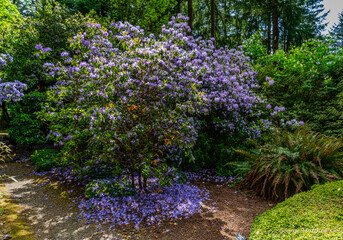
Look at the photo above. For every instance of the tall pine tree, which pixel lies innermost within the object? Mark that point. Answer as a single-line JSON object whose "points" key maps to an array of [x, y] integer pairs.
{"points": [[337, 30]]}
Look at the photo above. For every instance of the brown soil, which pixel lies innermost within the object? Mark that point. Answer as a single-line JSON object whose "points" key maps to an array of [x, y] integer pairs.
{"points": [[45, 210]]}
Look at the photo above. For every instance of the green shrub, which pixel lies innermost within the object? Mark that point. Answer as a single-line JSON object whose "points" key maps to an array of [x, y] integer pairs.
{"points": [[308, 81], [45, 159], [316, 214], [50, 26], [113, 188], [24, 126], [213, 150], [293, 162]]}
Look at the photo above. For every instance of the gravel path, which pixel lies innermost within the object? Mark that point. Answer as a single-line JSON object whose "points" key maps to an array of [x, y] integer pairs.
{"points": [[47, 209]]}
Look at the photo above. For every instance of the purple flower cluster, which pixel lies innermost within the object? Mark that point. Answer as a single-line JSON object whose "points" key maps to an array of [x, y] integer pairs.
{"points": [[292, 123], [10, 91], [44, 50], [3, 58]]}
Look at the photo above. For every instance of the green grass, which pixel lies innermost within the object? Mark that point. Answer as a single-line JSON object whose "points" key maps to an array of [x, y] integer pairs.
{"points": [[316, 214]]}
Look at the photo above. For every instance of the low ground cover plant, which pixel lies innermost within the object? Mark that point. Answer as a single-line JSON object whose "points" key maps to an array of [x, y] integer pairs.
{"points": [[292, 162], [45, 159], [316, 214]]}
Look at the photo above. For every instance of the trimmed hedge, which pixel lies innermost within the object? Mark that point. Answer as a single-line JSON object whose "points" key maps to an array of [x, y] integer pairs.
{"points": [[316, 214]]}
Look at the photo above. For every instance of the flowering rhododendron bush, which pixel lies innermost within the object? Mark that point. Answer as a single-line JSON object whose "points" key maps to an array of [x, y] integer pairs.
{"points": [[136, 103], [124, 98]]}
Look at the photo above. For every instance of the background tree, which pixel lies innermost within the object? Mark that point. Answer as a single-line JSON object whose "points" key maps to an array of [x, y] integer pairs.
{"points": [[149, 15], [9, 18], [190, 15], [337, 29], [47, 30], [213, 20]]}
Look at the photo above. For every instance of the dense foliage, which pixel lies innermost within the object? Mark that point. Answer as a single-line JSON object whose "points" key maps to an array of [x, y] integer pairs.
{"points": [[293, 162], [308, 81], [9, 18], [24, 127], [316, 214], [150, 15], [45, 159], [50, 25]]}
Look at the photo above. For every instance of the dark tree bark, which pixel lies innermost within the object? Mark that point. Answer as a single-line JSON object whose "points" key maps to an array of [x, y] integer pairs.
{"points": [[178, 6], [275, 20], [213, 21], [5, 112], [190, 14], [269, 34]]}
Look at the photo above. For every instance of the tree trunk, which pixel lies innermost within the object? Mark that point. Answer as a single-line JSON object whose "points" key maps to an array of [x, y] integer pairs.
{"points": [[127, 10], [269, 34], [5, 112], [213, 22], [178, 6], [275, 20], [190, 15]]}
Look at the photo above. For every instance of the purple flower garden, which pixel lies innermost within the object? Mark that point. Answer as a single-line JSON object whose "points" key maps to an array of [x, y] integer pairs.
{"points": [[136, 120]]}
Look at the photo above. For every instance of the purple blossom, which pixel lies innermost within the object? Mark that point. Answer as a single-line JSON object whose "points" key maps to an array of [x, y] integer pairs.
{"points": [[38, 47], [64, 54], [45, 50]]}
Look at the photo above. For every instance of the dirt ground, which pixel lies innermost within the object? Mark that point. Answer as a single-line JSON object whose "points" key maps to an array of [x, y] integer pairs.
{"points": [[37, 207]]}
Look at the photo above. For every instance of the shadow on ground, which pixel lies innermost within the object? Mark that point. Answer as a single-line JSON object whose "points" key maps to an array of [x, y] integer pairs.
{"points": [[48, 210]]}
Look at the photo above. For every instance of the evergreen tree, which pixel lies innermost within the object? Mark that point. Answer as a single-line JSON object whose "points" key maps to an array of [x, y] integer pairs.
{"points": [[337, 30]]}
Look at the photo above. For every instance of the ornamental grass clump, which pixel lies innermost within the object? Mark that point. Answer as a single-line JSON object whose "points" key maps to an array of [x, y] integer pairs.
{"points": [[292, 162], [135, 101]]}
